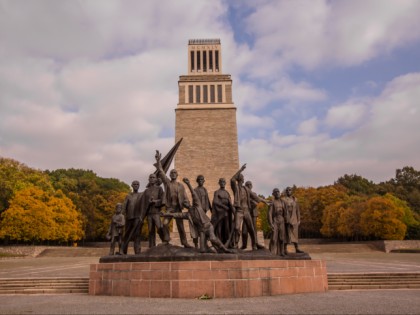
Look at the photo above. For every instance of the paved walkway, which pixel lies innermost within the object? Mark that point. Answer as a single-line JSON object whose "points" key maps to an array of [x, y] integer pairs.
{"points": [[370, 262], [332, 302], [336, 263]]}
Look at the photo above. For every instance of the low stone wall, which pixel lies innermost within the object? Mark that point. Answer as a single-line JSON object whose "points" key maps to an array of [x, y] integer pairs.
{"points": [[388, 246], [216, 279], [27, 251]]}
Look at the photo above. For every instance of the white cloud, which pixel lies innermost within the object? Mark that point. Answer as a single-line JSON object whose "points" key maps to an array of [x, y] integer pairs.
{"points": [[254, 97], [384, 141], [346, 116], [93, 85], [325, 33], [309, 126]]}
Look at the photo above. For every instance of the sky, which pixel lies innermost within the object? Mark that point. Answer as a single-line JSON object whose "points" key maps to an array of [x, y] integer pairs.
{"points": [[322, 88]]}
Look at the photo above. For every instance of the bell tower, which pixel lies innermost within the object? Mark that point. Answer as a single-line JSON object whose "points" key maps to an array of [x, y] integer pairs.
{"points": [[206, 118]]}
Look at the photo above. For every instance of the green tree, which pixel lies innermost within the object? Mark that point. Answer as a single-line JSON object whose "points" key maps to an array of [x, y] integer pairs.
{"points": [[94, 196], [405, 186], [356, 184], [262, 219]]}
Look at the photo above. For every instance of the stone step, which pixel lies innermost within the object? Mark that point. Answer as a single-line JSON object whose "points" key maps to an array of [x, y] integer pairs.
{"points": [[44, 291], [44, 285], [375, 276], [42, 280], [372, 286], [373, 281]]}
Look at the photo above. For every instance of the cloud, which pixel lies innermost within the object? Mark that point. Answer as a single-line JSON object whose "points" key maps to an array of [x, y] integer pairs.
{"points": [[93, 85], [309, 126], [326, 33], [383, 141], [346, 116], [255, 97]]}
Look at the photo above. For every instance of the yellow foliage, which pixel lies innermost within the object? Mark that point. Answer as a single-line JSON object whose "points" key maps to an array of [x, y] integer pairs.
{"points": [[37, 215], [383, 219]]}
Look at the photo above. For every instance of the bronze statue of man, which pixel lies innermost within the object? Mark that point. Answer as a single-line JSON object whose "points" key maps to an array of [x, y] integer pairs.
{"points": [[242, 204], [292, 219], [116, 228], [132, 217], [223, 214], [276, 220], [204, 200], [151, 203], [202, 193], [255, 199], [200, 221], [176, 199]]}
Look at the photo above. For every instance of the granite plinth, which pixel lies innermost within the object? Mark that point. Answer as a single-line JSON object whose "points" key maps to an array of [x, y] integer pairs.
{"points": [[176, 253], [248, 274]]}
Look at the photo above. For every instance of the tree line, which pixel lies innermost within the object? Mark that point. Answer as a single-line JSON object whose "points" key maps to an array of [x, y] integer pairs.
{"points": [[69, 205], [356, 209], [60, 206]]}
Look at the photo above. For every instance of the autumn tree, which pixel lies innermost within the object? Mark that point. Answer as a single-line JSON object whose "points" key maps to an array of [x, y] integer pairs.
{"points": [[409, 218], [349, 226], [312, 202], [94, 196], [16, 176], [382, 219], [36, 215], [341, 219]]}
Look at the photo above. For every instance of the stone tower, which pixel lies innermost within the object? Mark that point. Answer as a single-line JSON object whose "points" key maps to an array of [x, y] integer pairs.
{"points": [[206, 118]]}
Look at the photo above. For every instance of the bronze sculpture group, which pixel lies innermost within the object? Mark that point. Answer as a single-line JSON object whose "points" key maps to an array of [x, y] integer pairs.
{"points": [[229, 221]]}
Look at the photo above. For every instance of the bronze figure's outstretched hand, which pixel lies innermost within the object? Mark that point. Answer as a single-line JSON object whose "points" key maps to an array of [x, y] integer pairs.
{"points": [[158, 156]]}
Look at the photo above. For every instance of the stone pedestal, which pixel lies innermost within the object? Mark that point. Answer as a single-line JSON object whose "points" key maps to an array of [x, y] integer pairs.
{"points": [[238, 275]]}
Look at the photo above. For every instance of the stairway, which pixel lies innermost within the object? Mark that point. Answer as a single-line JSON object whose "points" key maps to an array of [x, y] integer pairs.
{"points": [[44, 286], [367, 281]]}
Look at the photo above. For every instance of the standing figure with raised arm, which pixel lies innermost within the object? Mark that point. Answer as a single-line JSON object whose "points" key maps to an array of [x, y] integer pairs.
{"points": [[292, 220], [222, 214], [176, 200], [132, 217], [255, 200], [242, 204], [276, 220]]}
